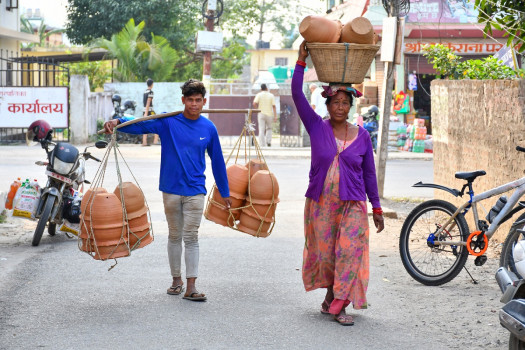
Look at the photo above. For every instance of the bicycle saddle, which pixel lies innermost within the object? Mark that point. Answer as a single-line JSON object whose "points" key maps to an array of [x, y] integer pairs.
{"points": [[470, 175]]}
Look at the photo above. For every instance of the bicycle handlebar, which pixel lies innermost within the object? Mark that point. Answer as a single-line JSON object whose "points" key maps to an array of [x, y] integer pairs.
{"points": [[520, 149]]}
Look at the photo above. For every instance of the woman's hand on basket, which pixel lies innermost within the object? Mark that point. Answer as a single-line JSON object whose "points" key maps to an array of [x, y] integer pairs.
{"points": [[379, 222], [110, 125], [303, 52]]}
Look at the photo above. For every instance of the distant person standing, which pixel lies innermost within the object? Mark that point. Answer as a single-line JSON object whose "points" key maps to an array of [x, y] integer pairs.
{"points": [[265, 101], [147, 100], [317, 101]]}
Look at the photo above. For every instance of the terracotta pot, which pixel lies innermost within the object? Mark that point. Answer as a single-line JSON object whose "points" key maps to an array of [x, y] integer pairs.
{"points": [[255, 165], [106, 219], [133, 199], [111, 252], [218, 215], [86, 246], [138, 222], [317, 29], [236, 203], [358, 31], [144, 235], [86, 198], [264, 187], [251, 226], [237, 180], [258, 211]]}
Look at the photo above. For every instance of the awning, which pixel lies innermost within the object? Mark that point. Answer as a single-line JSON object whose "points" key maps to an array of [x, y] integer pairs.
{"points": [[16, 35], [72, 57]]}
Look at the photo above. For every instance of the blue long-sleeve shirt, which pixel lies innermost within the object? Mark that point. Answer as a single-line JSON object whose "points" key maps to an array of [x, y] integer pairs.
{"points": [[182, 162]]}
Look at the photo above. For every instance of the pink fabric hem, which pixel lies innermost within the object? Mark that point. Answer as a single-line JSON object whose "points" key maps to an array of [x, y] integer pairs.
{"points": [[337, 305]]}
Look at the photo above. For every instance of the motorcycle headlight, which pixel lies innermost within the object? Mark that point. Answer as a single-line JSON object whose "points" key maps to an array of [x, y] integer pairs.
{"points": [[62, 167]]}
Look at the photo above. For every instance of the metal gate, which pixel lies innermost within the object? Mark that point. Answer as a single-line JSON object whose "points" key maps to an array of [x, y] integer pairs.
{"points": [[28, 71]]}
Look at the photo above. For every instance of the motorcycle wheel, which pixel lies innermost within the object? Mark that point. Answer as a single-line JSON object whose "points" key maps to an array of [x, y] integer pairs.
{"points": [[507, 258], [48, 206], [52, 229], [515, 343]]}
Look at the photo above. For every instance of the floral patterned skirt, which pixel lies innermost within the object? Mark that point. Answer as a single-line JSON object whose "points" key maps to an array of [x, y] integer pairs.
{"points": [[336, 251]]}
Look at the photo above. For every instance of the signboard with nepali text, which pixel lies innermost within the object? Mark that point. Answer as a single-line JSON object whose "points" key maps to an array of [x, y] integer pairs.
{"points": [[20, 106]]}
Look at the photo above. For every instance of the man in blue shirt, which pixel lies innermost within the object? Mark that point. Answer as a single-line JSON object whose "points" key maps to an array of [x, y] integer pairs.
{"points": [[185, 139]]}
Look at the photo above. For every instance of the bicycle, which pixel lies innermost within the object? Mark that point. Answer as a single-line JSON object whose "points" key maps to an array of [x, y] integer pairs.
{"points": [[436, 241]]}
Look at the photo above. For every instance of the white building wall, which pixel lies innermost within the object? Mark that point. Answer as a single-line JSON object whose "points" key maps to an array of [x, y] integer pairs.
{"points": [[167, 96]]}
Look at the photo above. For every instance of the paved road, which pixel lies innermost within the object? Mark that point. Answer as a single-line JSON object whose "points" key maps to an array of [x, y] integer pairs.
{"points": [[55, 297]]}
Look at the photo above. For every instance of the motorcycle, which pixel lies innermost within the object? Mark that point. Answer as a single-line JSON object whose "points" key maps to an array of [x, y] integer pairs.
{"points": [[65, 169], [371, 125], [512, 314], [120, 110]]}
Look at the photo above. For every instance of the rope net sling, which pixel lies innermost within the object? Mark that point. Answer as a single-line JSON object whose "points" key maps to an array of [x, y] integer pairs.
{"points": [[242, 152], [108, 230]]}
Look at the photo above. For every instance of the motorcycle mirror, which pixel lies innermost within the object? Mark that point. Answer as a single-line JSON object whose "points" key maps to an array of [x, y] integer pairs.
{"points": [[101, 144]]}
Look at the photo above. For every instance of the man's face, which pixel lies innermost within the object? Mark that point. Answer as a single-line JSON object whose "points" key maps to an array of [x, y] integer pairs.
{"points": [[193, 104]]}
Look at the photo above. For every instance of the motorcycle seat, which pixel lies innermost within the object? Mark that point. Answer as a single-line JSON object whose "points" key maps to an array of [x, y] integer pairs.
{"points": [[469, 175]]}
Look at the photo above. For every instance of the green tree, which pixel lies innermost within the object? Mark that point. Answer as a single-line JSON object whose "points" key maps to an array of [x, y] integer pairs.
{"points": [[98, 72], [137, 58], [504, 15]]}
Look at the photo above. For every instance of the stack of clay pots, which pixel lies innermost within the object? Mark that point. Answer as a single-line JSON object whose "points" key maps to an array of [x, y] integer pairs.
{"points": [[254, 194], [258, 214], [238, 182], [104, 231], [317, 29], [137, 214]]}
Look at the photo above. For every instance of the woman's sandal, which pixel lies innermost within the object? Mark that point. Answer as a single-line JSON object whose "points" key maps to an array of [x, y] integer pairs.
{"points": [[325, 306], [345, 320]]}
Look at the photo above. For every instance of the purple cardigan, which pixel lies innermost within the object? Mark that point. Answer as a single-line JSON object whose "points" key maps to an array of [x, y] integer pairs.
{"points": [[357, 169]]}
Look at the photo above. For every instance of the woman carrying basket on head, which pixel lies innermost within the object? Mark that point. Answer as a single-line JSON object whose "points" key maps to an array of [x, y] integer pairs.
{"points": [[342, 174]]}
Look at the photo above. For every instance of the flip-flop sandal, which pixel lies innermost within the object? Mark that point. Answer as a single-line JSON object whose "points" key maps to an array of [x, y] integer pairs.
{"points": [[195, 297], [345, 320], [177, 290]]}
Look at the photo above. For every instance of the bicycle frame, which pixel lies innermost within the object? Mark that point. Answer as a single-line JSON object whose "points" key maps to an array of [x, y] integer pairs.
{"points": [[519, 185]]}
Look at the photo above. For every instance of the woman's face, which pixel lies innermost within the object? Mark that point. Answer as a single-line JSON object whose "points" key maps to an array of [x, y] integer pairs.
{"points": [[339, 106]]}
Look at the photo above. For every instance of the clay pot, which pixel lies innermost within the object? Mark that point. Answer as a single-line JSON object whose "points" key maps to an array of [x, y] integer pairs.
{"points": [[358, 31], [317, 29], [133, 199], [255, 165], [111, 252], [250, 225], [142, 233], [107, 219], [218, 215], [264, 188], [236, 203], [258, 211], [237, 180], [138, 222], [87, 198]]}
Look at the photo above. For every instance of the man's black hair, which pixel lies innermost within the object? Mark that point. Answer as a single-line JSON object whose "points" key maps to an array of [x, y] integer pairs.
{"points": [[193, 87], [264, 87], [149, 82]]}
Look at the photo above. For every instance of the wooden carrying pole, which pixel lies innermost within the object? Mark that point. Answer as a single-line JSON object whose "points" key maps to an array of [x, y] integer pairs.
{"points": [[171, 114]]}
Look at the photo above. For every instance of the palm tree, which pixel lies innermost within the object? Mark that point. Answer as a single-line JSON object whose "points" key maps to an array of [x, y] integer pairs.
{"points": [[137, 58], [42, 32]]}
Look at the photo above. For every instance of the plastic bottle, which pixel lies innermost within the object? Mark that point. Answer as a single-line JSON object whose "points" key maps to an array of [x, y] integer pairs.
{"points": [[35, 185], [12, 193], [496, 208]]}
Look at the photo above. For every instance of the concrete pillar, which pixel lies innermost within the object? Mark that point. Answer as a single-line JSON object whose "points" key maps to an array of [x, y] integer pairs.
{"points": [[78, 105]]}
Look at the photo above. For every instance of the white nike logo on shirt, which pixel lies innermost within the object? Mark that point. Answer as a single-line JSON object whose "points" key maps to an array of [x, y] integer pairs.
{"points": [[202, 138]]}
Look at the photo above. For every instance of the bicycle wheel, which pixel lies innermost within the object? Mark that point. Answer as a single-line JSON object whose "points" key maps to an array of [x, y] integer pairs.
{"points": [[428, 263], [507, 258]]}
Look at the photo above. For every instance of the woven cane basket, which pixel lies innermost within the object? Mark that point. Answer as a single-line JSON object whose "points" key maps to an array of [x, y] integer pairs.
{"points": [[341, 62]]}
